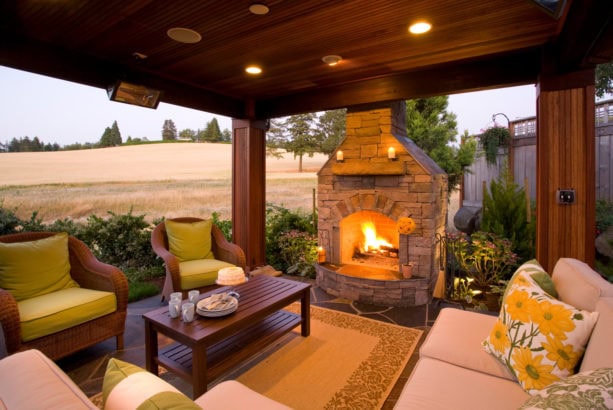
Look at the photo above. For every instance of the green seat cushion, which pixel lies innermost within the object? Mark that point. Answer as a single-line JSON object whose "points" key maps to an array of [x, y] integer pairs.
{"points": [[127, 386], [34, 268], [202, 272], [50, 313], [190, 240]]}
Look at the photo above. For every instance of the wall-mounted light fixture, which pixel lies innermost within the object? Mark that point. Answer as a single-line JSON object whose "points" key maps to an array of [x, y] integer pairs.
{"points": [[339, 156], [134, 94], [391, 154]]}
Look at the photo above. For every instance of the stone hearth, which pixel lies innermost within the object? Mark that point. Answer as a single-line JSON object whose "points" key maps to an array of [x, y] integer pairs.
{"points": [[367, 184]]}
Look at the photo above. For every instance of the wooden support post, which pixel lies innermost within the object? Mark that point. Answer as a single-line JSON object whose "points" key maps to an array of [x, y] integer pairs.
{"points": [[565, 160], [249, 189]]}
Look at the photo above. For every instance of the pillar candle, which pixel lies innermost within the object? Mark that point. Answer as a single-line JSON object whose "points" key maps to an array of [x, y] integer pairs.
{"points": [[391, 153], [321, 255], [339, 155]]}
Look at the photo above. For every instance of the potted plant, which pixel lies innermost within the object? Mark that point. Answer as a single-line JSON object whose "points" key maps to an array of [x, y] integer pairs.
{"points": [[406, 226]]}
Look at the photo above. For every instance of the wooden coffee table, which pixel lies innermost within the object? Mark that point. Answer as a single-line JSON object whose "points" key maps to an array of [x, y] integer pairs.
{"points": [[209, 347]]}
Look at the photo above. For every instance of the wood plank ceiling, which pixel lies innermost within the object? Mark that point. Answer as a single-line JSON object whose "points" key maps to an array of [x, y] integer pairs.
{"points": [[472, 45]]}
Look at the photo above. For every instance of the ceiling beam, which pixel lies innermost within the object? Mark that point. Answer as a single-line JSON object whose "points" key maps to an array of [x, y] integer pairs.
{"points": [[494, 72]]}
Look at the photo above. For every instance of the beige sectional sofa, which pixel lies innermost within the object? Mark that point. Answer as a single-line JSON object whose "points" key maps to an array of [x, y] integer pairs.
{"points": [[454, 370], [29, 380]]}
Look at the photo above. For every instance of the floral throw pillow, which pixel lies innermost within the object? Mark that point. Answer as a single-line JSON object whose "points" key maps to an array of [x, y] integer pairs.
{"points": [[588, 390], [539, 338]]}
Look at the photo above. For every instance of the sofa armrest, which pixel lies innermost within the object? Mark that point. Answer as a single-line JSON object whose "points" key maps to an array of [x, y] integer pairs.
{"points": [[10, 321], [30, 380], [160, 248]]}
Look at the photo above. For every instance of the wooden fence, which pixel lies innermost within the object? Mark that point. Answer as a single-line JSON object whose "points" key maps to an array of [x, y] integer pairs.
{"points": [[522, 156]]}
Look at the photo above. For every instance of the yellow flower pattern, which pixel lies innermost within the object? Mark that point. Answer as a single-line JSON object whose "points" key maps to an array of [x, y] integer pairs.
{"points": [[539, 338], [520, 306], [499, 337], [564, 356], [530, 371], [554, 319]]}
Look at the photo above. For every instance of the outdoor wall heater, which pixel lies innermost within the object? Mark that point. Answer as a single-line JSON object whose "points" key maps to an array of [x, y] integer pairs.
{"points": [[134, 94]]}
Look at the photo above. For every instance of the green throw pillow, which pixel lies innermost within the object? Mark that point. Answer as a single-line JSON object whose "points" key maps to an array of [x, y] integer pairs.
{"points": [[35, 268], [588, 390], [127, 386], [189, 241]]}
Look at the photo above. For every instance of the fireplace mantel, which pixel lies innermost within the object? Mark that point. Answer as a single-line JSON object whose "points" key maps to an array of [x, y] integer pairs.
{"points": [[361, 167]]}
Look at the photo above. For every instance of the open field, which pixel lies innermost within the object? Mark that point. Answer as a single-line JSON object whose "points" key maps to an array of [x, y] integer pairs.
{"points": [[157, 180]]}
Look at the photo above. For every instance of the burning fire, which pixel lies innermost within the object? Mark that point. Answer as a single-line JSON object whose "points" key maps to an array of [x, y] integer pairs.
{"points": [[371, 241]]}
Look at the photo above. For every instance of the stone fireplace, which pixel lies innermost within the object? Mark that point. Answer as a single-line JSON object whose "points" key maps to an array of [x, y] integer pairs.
{"points": [[377, 176]]}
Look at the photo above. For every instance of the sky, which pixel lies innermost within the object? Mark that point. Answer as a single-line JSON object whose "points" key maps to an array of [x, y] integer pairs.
{"points": [[59, 111]]}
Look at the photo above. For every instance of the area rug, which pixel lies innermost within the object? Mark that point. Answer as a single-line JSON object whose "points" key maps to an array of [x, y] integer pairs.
{"points": [[347, 362]]}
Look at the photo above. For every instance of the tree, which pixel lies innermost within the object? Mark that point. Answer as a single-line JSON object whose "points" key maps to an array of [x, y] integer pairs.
{"points": [[226, 135], [304, 140], [212, 133], [188, 134], [169, 131], [275, 138], [604, 79], [331, 124], [115, 134], [433, 129], [106, 140]]}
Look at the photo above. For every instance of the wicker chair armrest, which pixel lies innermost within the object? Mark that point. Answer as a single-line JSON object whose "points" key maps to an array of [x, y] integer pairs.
{"points": [[10, 321], [90, 273], [171, 262], [225, 250]]}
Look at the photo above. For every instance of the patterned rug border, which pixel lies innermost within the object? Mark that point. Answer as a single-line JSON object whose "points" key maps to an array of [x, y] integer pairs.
{"points": [[387, 354]]}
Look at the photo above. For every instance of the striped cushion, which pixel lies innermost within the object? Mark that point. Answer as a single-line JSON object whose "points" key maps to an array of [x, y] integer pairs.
{"points": [[127, 386]]}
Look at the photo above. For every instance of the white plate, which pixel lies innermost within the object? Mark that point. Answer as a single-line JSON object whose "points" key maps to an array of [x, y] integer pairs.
{"points": [[225, 284], [212, 313], [230, 307]]}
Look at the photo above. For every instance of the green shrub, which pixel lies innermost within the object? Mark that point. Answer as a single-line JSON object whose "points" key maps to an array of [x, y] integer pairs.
{"points": [[298, 252], [121, 240], [505, 214], [224, 225], [279, 221], [9, 223], [604, 215]]}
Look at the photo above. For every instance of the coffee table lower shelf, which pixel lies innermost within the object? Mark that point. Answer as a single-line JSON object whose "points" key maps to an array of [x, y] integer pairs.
{"points": [[223, 356]]}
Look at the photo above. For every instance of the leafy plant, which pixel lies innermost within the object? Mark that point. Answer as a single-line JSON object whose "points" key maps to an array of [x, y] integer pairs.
{"points": [[604, 215], [505, 214], [493, 138], [120, 240], [299, 252], [224, 225], [280, 220], [484, 256]]}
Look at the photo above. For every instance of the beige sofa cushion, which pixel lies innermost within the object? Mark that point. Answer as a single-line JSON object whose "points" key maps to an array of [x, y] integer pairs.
{"points": [[456, 338], [578, 285], [29, 380], [439, 385], [598, 352]]}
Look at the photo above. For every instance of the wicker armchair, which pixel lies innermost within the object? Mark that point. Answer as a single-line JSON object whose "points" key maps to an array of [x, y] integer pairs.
{"points": [[222, 249], [89, 273]]}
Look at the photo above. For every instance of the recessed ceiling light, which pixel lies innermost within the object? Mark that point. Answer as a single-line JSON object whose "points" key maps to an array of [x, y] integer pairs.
{"points": [[184, 35], [420, 27], [253, 69], [259, 9], [331, 59]]}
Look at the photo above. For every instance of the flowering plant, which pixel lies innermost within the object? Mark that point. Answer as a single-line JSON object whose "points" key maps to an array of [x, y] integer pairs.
{"points": [[484, 256], [406, 225]]}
